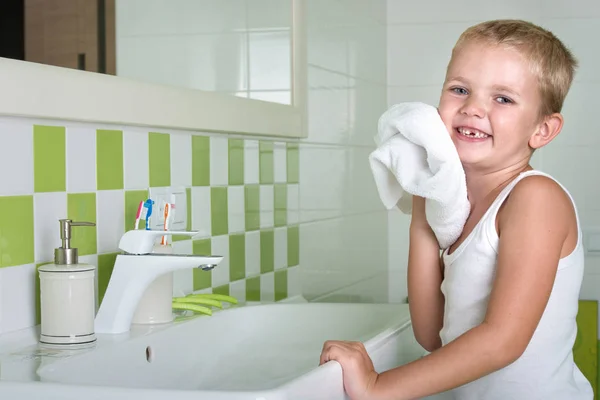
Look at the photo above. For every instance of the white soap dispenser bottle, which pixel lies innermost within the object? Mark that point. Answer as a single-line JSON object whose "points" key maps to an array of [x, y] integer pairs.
{"points": [[67, 294]]}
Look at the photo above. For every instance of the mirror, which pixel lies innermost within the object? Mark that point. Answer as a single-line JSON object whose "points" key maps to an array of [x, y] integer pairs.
{"points": [[175, 51], [237, 47]]}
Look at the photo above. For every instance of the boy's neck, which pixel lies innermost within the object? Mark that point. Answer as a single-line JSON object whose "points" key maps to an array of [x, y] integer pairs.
{"points": [[480, 185]]}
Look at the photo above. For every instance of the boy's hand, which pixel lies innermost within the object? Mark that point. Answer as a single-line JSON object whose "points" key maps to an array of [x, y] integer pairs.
{"points": [[358, 372]]}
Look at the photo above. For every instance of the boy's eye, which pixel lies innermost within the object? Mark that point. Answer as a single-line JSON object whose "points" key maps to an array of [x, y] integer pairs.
{"points": [[504, 100], [459, 90]]}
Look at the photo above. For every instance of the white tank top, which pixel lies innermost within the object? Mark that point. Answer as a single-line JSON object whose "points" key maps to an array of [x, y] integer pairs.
{"points": [[546, 369]]}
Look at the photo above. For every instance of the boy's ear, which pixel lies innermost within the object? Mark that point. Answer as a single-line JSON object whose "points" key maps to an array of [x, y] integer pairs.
{"points": [[549, 127]]}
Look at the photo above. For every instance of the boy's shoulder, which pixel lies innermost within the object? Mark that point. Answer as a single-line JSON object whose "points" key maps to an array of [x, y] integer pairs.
{"points": [[539, 195]]}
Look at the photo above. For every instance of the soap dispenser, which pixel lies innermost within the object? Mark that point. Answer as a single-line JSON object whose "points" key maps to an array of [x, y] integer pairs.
{"points": [[67, 294]]}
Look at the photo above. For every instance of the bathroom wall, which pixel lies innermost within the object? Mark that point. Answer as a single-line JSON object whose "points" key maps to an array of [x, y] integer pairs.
{"points": [[242, 194], [343, 231], [240, 47], [435, 25], [291, 217]]}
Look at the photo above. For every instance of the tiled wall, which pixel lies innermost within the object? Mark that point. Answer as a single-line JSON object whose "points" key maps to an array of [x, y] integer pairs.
{"points": [[343, 230], [242, 194], [239, 47], [435, 25]]}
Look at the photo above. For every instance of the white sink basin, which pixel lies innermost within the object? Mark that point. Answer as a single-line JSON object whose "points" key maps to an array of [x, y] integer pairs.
{"points": [[256, 352]]}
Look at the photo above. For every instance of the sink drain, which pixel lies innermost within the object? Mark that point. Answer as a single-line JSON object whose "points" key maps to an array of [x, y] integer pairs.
{"points": [[149, 355]]}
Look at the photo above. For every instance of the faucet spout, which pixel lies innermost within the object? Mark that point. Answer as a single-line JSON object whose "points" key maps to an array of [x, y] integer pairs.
{"points": [[132, 274]]}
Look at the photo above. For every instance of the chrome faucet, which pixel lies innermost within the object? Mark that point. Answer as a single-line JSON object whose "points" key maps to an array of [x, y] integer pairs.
{"points": [[134, 271]]}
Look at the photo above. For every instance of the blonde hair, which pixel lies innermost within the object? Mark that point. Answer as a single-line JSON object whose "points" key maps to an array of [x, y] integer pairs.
{"points": [[550, 60]]}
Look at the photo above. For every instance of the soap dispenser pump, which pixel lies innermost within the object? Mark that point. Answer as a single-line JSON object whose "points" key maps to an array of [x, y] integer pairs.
{"points": [[67, 294]]}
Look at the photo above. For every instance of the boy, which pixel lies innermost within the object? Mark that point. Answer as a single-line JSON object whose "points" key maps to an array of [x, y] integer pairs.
{"points": [[498, 312]]}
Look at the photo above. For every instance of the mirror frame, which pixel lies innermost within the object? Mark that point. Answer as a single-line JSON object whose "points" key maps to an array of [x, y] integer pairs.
{"points": [[33, 90]]}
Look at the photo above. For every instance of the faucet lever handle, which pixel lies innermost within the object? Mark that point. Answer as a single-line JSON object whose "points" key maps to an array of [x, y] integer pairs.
{"points": [[142, 241]]}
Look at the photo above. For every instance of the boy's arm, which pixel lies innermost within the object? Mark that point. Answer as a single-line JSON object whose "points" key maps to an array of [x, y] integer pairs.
{"points": [[426, 302], [534, 225]]}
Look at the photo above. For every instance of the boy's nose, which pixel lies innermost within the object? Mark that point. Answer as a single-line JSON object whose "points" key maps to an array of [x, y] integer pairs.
{"points": [[473, 108]]}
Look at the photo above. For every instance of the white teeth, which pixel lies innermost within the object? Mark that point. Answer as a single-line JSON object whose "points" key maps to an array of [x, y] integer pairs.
{"points": [[472, 133]]}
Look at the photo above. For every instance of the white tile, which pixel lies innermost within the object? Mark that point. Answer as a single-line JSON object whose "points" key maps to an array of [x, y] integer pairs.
{"points": [[269, 14], [2, 327], [407, 43], [294, 282], [434, 11], [181, 159], [579, 35], [48, 208], [220, 247], [110, 205], [328, 106], [293, 197], [219, 161], [236, 209], [81, 159], [237, 289], [270, 60], [565, 163], [367, 102], [398, 237], [135, 159], [251, 162], [324, 173], [360, 192], [280, 162], [568, 9], [16, 159], [328, 47], [267, 287], [579, 113], [367, 53], [201, 218], [18, 297], [429, 94], [252, 254], [267, 200], [281, 248]]}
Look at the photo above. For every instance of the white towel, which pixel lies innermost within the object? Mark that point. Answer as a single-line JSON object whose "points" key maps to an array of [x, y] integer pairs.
{"points": [[416, 156]]}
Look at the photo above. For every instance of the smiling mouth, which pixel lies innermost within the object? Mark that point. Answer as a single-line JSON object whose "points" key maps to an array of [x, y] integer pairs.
{"points": [[471, 133]]}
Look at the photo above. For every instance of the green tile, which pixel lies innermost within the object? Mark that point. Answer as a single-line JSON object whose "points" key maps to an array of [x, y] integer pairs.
{"points": [[281, 285], [202, 279], [16, 230], [253, 289], [293, 246], [49, 159], [82, 207], [132, 202], [293, 163], [218, 211], [223, 289], [252, 201], [266, 162], [200, 160], [280, 203], [109, 159], [188, 227], [237, 257], [159, 152], [106, 263], [586, 342], [236, 162], [267, 251]]}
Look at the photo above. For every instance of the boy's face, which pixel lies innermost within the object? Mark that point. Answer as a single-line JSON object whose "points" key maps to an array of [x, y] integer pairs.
{"points": [[490, 104]]}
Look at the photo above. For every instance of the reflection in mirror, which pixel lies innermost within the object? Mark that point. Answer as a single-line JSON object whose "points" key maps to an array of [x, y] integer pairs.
{"points": [[238, 47]]}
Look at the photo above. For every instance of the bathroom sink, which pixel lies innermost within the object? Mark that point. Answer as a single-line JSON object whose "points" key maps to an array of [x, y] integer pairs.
{"points": [[252, 352]]}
